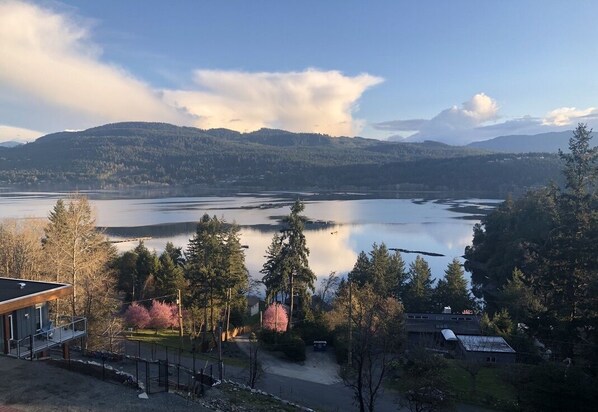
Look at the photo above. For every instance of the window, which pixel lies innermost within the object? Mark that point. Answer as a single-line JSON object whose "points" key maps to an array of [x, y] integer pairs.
{"points": [[38, 317], [11, 328]]}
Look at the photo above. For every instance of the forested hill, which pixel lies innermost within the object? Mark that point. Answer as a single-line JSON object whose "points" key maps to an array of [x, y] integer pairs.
{"points": [[550, 142], [132, 154]]}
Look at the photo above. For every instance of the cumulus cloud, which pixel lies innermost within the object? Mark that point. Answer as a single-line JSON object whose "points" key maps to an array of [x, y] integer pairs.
{"points": [[450, 125], [52, 77], [564, 116], [309, 101], [50, 57], [477, 119]]}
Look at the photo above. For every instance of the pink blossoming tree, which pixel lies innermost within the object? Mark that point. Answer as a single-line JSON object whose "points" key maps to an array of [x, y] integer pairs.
{"points": [[137, 316], [276, 318], [161, 315]]}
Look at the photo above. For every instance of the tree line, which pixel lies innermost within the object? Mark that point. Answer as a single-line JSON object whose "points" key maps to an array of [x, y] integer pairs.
{"points": [[134, 154], [535, 258]]}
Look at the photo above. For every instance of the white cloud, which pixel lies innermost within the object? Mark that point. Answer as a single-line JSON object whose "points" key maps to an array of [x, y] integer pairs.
{"points": [[18, 134], [307, 101], [451, 125], [49, 56], [564, 116], [52, 70], [476, 120]]}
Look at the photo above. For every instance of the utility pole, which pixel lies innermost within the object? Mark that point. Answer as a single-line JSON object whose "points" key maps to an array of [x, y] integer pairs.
{"points": [[220, 365], [350, 352], [179, 303], [229, 296], [290, 327]]}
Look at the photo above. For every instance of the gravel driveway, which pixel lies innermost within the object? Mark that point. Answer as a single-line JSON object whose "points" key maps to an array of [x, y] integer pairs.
{"points": [[318, 367]]}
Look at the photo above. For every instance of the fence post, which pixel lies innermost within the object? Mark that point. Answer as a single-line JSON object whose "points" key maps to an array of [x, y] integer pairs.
{"points": [[194, 363], [138, 348], [137, 371], [166, 374], [147, 381], [201, 381]]}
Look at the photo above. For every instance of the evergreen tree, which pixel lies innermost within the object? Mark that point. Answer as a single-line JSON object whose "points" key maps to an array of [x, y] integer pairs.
{"points": [[275, 279], [147, 267], [175, 253], [396, 276], [215, 269], [169, 278], [383, 270], [452, 290], [550, 235], [287, 263], [419, 290], [125, 266], [360, 275], [518, 298]]}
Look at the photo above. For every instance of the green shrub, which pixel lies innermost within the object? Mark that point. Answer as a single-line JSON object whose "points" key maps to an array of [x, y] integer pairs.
{"points": [[340, 344], [294, 349], [313, 330], [271, 339]]}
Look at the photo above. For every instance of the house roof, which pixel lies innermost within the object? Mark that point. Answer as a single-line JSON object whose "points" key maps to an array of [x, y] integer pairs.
{"points": [[485, 344], [449, 335], [435, 322], [21, 293]]}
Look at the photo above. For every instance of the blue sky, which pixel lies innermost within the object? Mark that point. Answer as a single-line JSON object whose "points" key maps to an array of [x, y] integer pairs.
{"points": [[453, 71]]}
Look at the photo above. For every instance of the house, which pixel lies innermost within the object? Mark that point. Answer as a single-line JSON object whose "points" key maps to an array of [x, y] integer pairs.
{"points": [[426, 329], [485, 349], [253, 305], [25, 326]]}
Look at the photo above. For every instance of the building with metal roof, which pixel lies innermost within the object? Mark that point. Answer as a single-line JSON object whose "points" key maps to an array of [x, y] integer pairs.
{"points": [[487, 349]]}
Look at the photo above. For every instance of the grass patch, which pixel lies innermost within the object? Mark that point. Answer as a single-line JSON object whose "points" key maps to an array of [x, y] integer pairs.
{"points": [[490, 387], [231, 355]]}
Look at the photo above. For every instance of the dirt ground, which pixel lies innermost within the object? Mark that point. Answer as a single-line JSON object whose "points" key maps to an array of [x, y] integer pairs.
{"points": [[38, 386]]}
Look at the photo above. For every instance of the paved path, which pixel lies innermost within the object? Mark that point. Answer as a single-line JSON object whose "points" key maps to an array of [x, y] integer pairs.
{"points": [[314, 384]]}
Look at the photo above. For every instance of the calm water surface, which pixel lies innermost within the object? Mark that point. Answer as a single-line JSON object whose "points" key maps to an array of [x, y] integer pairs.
{"points": [[338, 230]]}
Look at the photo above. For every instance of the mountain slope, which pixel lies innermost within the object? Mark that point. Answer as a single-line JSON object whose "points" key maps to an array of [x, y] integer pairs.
{"points": [[10, 143], [128, 154], [539, 143]]}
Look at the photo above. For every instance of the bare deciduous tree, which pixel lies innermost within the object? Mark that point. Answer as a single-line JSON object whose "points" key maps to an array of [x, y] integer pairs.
{"points": [[77, 253], [377, 336], [20, 249]]}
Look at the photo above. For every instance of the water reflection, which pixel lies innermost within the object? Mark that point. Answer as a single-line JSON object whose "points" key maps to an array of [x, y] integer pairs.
{"points": [[339, 228]]}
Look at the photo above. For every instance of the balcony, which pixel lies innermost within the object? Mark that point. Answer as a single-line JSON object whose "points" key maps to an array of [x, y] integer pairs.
{"points": [[67, 330]]}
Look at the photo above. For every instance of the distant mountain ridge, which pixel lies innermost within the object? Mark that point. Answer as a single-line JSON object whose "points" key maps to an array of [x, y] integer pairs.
{"points": [[158, 154], [549, 142], [10, 143]]}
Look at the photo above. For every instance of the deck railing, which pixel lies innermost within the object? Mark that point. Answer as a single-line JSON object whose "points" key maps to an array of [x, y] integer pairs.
{"points": [[69, 328]]}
